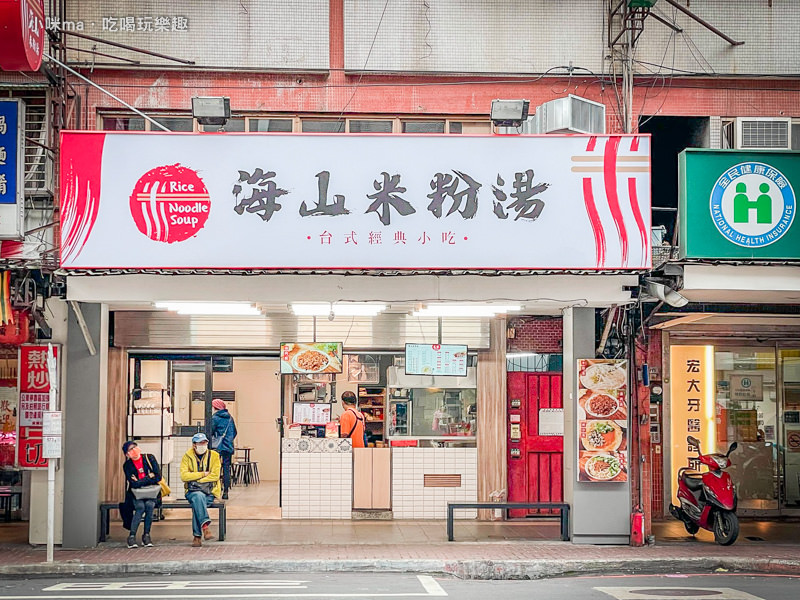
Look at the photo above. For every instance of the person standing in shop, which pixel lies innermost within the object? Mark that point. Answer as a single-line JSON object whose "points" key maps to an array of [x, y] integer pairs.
{"points": [[223, 432], [200, 469], [352, 422], [140, 470]]}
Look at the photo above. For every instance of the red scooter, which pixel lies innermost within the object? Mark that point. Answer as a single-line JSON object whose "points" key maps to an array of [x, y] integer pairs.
{"points": [[708, 500]]}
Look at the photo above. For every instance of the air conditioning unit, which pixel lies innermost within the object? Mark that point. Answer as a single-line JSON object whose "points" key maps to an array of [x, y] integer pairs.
{"points": [[572, 114], [763, 133]]}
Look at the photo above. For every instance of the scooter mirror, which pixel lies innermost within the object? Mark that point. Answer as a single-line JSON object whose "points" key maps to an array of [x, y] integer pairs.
{"points": [[733, 447], [694, 442]]}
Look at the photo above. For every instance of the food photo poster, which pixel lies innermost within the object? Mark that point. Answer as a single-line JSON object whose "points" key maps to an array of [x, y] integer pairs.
{"points": [[602, 420]]}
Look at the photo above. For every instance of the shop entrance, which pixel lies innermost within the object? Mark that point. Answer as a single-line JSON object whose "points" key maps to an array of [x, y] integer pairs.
{"points": [[754, 401], [182, 388], [758, 406]]}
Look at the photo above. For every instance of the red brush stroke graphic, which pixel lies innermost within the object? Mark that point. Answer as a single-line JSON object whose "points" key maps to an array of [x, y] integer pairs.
{"points": [[81, 161], [591, 144], [637, 214], [635, 143], [610, 180], [594, 218]]}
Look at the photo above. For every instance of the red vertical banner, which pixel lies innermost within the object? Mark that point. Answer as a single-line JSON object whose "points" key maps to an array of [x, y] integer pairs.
{"points": [[34, 399]]}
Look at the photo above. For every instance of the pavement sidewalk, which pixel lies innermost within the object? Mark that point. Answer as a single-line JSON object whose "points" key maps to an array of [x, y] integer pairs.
{"points": [[469, 560], [484, 550]]}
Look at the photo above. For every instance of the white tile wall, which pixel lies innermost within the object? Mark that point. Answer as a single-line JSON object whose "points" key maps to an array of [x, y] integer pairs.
{"points": [[317, 485], [411, 500], [179, 445]]}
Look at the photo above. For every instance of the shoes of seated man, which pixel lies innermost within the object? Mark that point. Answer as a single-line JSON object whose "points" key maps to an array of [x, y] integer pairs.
{"points": [[207, 535]]}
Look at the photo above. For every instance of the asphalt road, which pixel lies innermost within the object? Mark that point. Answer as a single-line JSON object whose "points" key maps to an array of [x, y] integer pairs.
{"points": [[253, 586]]}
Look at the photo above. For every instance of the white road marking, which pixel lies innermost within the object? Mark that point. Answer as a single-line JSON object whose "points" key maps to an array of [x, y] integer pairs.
{"points": [[651, 593], [431, 585], [122, 590], [85, 586]]}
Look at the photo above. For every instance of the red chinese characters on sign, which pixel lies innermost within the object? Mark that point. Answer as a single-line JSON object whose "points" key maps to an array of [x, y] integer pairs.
{"points": [[34, 399], [22, 35]]}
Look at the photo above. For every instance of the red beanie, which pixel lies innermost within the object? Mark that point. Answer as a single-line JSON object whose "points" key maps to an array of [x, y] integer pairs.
{"points": [[218, 404]]}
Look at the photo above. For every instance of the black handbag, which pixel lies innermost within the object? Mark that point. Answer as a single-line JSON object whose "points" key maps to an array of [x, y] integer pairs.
{"points": [[205, 487], [195, 486]]}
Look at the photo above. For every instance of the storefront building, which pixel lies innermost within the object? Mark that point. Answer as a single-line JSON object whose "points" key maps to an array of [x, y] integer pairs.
{"points": [[731, 369], [438, 435]]}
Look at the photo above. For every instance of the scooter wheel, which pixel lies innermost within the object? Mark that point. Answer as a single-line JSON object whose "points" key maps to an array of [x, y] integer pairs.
{"points": [[691, 528], [726, 528]]}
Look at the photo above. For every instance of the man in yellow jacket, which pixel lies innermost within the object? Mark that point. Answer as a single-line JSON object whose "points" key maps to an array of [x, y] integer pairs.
{"points": [[200, 468]]}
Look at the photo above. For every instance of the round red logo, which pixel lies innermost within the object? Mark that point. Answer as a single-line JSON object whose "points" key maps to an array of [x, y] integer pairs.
{"points": [[170, 204]]}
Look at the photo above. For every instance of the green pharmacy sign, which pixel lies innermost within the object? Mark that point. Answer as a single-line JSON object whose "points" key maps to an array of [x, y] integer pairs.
{"points": [[739, 205]]}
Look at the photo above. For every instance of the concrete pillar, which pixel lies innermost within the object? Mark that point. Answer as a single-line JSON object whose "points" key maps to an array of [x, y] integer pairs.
{"points": [[83, 448], [600, 511], [37, 525]]}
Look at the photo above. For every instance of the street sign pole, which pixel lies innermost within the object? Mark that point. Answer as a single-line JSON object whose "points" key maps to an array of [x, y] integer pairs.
{"points": [[51, 462]]}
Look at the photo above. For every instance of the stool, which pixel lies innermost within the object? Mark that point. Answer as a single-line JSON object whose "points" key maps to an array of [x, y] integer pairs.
{"points": [[247, 473]]}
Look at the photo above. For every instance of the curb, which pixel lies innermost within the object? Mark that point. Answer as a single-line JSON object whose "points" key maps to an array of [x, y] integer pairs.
{"points": [[463, 569]]}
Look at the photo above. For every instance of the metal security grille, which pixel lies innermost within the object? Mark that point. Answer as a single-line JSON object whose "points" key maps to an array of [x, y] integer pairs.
{"points": [[765, 134], [388, 331], [38, 159]]}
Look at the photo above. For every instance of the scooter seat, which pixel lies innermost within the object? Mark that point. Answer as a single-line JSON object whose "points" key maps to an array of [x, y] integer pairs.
{"points": [[694, 481]]}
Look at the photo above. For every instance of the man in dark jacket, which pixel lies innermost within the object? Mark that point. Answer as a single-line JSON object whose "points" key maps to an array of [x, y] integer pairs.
{"points": [[223, 432]]}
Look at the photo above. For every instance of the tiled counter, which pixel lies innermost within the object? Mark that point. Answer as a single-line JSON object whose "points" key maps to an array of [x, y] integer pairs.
{"points": [[415, 496], [316, 478]]}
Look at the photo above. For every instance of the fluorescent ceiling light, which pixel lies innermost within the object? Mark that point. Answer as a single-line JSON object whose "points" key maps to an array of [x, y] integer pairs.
{"points": [[344, 309], [210, 308], [464, 310]]}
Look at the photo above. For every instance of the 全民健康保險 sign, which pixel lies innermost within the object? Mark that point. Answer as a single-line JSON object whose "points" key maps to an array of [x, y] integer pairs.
{"points": [[738, 204]]}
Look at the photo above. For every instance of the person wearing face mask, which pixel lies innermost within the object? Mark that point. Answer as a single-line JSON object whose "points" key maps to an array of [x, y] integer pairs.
{"points": [[140, 470], [200, 469]]}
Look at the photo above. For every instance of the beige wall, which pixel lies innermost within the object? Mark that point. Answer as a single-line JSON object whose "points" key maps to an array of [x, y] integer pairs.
{"points": [[258, 395]]}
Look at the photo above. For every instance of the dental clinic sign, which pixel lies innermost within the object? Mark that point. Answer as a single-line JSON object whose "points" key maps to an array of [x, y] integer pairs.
{"points": [[295, 201], [739, 204]]}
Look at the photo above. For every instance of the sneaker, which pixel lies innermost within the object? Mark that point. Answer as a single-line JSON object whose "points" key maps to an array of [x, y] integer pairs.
{"points": [[146, 541], [132, 542], [225, 496], [197, 542], [207, 535]]}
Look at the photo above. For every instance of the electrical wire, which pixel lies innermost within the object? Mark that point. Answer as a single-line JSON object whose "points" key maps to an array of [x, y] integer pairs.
{"points": [[366, 61]]}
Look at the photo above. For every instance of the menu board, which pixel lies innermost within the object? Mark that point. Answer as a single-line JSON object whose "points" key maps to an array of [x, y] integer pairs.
{"points": [[311, 413], [316, 357], [436, 359], [602, 418]]}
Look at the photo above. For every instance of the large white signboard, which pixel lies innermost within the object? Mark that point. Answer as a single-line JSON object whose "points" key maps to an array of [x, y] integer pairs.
{"points": [[270, 201]]}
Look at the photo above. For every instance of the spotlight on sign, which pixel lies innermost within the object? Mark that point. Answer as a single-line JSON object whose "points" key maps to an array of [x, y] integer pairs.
{"points": [[509, 113], [211, 110]]}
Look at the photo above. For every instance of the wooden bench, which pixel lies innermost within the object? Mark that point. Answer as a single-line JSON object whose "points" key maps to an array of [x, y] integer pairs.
{"points": [[106, 507], [560, 506]]}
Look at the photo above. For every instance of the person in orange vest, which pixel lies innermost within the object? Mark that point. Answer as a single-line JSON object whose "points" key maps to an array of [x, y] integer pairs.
{"points": [[352, 422]]}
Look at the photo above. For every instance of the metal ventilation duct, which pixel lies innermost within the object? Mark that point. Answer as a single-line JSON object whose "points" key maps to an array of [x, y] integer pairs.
{"points": [[572, 114]]}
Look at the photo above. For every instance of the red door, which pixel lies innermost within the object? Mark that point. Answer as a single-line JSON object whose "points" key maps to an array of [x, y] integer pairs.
{"points": [[535, 462]]}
